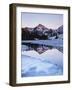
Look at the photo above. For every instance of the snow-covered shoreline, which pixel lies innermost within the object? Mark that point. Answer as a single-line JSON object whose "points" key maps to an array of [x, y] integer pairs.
{"points": [[54, 43]]}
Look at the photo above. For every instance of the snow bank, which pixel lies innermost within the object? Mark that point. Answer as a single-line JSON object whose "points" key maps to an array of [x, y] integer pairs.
{"points": [[47, 63], [54, 56], [36, 67]]}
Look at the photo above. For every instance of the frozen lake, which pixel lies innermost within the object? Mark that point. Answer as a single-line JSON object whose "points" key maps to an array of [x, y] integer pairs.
{"points": [[54, 43], [41, 60]]}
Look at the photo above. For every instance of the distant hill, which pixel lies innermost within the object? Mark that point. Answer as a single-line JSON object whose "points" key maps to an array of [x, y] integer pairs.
{"points": [[60, 30]]}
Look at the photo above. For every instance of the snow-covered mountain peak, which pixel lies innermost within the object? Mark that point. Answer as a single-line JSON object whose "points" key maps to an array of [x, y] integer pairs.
{"points": [[40, 27]]}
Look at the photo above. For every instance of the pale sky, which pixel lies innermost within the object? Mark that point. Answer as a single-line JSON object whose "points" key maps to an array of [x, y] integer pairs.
{"points": [[49, 20]]}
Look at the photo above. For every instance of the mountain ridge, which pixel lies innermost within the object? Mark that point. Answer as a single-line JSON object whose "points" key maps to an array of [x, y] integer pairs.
{"points": [[40, 32]]}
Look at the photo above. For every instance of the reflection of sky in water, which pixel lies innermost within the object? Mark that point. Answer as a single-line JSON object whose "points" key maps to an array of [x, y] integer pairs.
{"points": [[40, 60]]}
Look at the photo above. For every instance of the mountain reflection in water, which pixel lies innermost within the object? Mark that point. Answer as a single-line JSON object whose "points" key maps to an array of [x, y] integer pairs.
{"points": [[39, 48]]}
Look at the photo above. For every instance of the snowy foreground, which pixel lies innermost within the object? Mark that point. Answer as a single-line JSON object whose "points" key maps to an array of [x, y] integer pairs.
{"points": [[46, 64], [54, 43]]}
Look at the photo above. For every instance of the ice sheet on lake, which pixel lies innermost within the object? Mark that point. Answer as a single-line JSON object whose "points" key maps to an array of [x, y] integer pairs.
{"points": [[47, 63], [55, 42]]}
